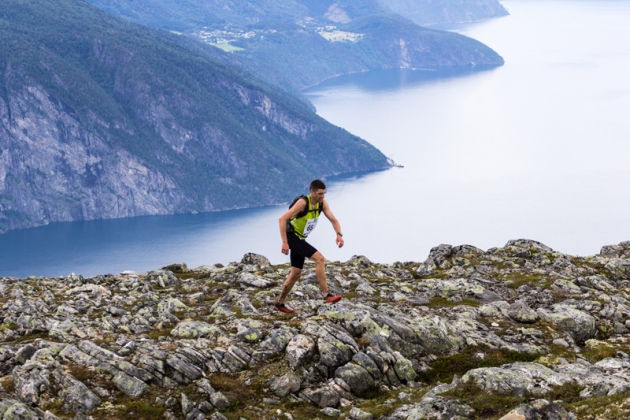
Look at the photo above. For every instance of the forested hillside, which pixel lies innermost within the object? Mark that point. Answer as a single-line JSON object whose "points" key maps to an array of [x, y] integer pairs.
{"points": [[299, 43], [102, 118]]}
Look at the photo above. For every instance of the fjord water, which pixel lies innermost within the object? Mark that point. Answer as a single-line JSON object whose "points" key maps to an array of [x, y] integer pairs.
{"points": [[537, 148]]}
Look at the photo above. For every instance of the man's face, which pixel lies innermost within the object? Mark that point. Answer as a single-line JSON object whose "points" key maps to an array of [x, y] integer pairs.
{"points": [[318, 195]]}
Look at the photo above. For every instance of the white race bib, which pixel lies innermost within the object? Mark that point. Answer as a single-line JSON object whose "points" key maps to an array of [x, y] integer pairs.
{"points": [[310, 225]]}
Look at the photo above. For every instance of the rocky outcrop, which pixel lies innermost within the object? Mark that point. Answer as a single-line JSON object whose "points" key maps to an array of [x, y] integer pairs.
{"points": [[427, 343], [131, 128]]}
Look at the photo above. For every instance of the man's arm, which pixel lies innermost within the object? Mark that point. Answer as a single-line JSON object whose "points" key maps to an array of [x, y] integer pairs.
{"points": [[335, 223], [292, 212]]}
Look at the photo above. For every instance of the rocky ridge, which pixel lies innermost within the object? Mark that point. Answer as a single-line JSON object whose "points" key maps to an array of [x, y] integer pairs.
{"points": [[518, 332]]}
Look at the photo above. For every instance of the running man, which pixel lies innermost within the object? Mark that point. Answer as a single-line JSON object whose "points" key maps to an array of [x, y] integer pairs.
{"points": [[295, 226]]}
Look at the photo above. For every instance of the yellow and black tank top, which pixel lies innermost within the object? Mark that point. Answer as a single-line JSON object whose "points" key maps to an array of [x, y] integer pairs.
{"points": [[304, 225]]}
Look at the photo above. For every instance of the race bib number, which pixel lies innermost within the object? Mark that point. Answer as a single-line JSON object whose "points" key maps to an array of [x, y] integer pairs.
{"points": [[310, 225]]}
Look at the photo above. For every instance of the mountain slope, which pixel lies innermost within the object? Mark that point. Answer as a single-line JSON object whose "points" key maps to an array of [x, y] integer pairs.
{"points": [[101, 118], [431, 12], [299, 43]]}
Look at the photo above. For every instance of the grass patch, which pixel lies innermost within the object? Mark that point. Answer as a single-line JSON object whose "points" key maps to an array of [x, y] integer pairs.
{"points": [[139, 410], [439, 302], [517, 280], [487, 405], [9, 326], [191, 275], [445, 367], [8, 384], [165, 332], [595, 350], [31, 337], [607, 407], [383, 403]]}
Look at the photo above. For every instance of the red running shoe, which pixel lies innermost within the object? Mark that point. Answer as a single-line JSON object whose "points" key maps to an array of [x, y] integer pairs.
{"points": [[332, 298], [283, 308]]}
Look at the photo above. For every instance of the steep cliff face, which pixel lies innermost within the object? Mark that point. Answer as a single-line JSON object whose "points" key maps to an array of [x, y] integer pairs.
{"points": [[100, 118]]}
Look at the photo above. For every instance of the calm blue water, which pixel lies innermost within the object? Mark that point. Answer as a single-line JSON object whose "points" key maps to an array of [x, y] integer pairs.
{"points": [[537, 148]]}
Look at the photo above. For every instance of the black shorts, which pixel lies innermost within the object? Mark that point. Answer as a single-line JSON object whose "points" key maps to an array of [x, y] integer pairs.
{"points": [[300, 250]]}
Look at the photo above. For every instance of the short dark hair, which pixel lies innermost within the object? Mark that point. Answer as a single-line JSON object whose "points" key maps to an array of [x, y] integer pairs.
{"points": [[317, 185]]}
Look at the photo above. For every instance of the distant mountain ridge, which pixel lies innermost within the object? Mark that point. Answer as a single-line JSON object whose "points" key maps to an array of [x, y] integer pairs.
{"points": [[299, 43], [100, 118]]}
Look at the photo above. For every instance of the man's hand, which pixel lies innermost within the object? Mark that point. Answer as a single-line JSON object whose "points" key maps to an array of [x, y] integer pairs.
{"points": [[285, 248], [339, 241]]}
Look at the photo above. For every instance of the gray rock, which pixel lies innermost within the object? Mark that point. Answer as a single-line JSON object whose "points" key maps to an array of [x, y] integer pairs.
{"points": [[275, 343], [177, 268], [521, 312], [163, 278], [187, 405], [76, 396], [219, 400], [300, 350], [333, 352], [25, 353], [330, 412], [357, 378], [439, 254], [131, 386], [323, 397], [253, 280], [434, 408], [255, 259], [19, 411], [538, 409], [285, 384], [358, 414], [195, 329], [368, 364], [519, 378], [218, 416], [580, 325]]}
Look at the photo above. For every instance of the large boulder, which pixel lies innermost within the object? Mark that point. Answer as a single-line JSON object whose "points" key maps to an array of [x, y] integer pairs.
{"points": [[439, 254], [517, 378], [438, 408], [580, 325], [333, 352], [255, 259], [357, 378], [195, 329], [249, 279], [300, 350], [620, 269], [616, 251], [285, 384], [521, 312], [76, 396], [538, 410]]}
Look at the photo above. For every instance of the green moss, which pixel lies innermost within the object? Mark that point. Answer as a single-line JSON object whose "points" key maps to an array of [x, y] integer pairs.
{"points": [[517, 280], [439, 302], [607, 407], [9, 326], [486, 404], [598, 350], [143, 410], [165, 332], [472, 357]]}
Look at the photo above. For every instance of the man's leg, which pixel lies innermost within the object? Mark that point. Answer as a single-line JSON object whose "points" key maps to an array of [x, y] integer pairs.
{"points": [[294, 275], [320, 271]]}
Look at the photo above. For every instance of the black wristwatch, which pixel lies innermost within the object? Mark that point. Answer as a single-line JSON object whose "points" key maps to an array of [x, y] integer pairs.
{"points": [[339, 233]]}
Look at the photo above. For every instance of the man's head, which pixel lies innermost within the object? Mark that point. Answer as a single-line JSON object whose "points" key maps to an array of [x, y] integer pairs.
{"points": [[318, 190]]}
